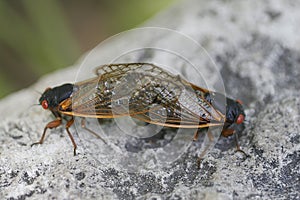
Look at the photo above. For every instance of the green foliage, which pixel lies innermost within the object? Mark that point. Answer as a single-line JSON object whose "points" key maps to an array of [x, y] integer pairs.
{"points": [[37, 37]]}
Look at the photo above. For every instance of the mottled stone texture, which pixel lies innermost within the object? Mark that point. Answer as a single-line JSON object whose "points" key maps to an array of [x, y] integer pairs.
{"points": [[255, 48]]}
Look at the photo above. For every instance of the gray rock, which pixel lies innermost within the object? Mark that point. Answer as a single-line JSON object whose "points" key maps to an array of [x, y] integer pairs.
{"points": [[252, 53]]}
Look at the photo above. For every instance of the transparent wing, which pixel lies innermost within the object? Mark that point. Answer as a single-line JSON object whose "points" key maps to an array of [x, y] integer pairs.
{"points": [[143, 91]]}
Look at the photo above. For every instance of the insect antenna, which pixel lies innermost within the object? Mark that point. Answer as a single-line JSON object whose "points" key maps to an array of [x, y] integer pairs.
{"points": [[40, 93], [35, 104]]}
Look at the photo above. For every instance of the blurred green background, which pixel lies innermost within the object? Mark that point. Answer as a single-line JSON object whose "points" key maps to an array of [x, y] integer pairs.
{"points": [[40, 36]]}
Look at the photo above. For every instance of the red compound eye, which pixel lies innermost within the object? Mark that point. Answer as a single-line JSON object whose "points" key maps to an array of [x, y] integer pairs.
{"points": [[44, 104], [240, 119]]}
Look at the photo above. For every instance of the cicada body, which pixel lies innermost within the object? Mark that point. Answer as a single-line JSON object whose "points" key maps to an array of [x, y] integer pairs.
{"points": [[145, 92]]}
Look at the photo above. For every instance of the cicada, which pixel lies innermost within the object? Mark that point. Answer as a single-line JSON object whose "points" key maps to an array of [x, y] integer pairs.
{"points": [[145, 92]]}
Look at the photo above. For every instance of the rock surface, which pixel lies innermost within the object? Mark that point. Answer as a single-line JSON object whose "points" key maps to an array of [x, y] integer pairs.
{"points": [[251, 48]]}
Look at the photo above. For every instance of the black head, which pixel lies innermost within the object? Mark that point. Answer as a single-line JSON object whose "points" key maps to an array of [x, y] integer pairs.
{"points": [[235, 117], [52, 97], [234, 112]]}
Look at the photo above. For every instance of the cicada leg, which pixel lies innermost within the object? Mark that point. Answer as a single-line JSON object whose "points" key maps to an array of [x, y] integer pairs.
{"points": [[68, 125], [91, 131], [238, 149], [229, 132], [196, 135], [200, 157], [53, 124]]}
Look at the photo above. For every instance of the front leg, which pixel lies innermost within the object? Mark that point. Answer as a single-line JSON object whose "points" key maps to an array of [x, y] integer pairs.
{"points": [[229, 132], [238, 149], [55, 123], [68, 125]]}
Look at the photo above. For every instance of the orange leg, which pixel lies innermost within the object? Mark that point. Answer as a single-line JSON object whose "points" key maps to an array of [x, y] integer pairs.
{"points": [[89, 130], [196, 134], [68, 125], [229, 132], [238, 149], [53, 124], [210, 137]]}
